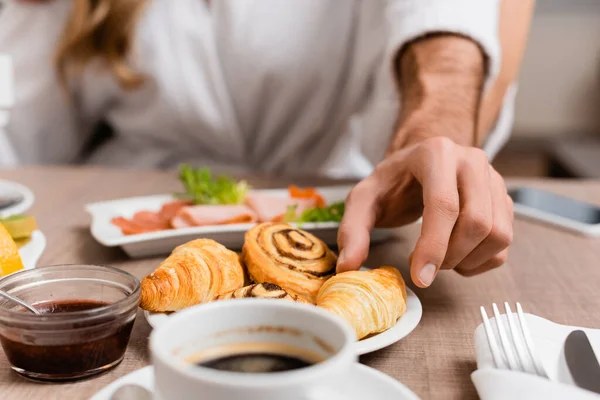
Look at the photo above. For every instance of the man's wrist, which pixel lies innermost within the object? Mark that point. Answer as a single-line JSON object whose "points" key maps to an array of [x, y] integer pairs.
{"points": [[431, 122], [440, 80]]}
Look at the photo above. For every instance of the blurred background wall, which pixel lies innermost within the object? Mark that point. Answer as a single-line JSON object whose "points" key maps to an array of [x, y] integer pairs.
{"points": [[557, 122]]}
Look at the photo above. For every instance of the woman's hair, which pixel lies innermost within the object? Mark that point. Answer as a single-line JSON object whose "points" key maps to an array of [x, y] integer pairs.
{"points": [[100, 29]]}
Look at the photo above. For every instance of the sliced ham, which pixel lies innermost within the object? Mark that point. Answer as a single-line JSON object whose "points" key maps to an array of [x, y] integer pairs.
{"points": [[141, 222], [150, 220], [213, 215], [271, 208], [259, 207], [178, 222], [129, 227], [170, 209]]}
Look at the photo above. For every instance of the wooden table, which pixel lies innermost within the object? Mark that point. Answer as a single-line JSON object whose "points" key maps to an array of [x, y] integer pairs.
{"points": [[554, 274]]}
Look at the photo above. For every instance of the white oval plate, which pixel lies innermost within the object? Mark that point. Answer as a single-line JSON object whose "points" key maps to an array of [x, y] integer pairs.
{"points": [[23, 205], [32, 251], [361, 382], [230, 236], [405, 325]]}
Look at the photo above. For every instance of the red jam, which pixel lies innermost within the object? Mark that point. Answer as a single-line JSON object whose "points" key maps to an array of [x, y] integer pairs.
{"points": [[83, 354]]}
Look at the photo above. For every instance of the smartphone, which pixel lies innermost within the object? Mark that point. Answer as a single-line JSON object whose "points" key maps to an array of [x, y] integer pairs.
{"points": [[557, 210]]}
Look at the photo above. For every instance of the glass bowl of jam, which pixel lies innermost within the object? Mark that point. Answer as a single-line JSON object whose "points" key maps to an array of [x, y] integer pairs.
{"points": [[87, 314]]}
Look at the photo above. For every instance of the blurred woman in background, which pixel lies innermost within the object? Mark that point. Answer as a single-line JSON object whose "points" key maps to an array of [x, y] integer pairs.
{"points": [[399, 92], [248, 84]]}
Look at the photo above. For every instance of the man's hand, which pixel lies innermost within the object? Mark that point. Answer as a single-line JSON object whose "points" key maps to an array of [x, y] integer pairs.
{"points": [[432, 170], [467, 214]]}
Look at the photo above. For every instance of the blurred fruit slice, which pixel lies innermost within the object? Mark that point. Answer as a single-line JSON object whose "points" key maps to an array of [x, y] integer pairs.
{"points": [[19, 226], [22, 242], [10, 260]]}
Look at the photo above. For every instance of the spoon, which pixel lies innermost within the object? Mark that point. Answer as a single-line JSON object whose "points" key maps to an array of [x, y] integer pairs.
{"points": [[131, 392], [20, 302], [10, 199]]}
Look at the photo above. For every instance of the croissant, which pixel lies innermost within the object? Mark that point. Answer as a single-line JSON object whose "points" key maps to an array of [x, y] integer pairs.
{"points": [[371, 301], [291, 258], [261, 290], [195, 272]]}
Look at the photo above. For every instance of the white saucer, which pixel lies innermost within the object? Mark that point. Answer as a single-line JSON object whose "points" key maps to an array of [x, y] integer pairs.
{"points": [[32, 251], [405, 325], [362, 383], [20, 207]]}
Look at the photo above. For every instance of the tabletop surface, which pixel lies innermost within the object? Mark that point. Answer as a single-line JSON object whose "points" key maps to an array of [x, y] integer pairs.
{"points": [[553, 273]]}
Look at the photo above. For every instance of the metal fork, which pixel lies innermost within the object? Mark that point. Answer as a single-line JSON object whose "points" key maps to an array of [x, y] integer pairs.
{"points": [[516, 351]]}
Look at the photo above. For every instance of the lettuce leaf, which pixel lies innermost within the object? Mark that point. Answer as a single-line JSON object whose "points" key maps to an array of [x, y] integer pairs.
{"points": [[202, 187], [331, 213]]}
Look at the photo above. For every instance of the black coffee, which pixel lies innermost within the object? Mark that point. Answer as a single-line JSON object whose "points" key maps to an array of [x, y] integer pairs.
{"points": [[256, 363]]}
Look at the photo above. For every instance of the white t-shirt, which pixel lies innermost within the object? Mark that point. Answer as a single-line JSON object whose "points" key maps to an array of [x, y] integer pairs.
{"points": [[284, 87]]}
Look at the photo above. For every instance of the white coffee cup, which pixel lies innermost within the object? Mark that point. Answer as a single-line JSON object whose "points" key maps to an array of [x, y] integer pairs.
{"points": [[243, 321]]}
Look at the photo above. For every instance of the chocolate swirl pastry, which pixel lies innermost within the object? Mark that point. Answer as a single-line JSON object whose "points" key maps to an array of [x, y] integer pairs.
{"points": [[291, 258], [263, 290]]}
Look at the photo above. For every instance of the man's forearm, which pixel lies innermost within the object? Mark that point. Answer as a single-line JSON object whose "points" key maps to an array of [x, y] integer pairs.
{"points": [[440, 79]]}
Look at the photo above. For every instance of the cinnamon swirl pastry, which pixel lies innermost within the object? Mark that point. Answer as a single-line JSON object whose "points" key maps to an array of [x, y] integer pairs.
{"points": [[371, 301], [263, 290], [291, 258]]}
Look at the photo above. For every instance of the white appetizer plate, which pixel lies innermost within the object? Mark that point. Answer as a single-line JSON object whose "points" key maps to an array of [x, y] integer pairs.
{"points": [[361, 383], [32, 251], [20, 207], [163, 242], [405, 325]]}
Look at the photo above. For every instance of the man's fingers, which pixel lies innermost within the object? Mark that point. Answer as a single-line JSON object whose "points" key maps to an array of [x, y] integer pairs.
{"points": [[475, 219], [500, 236], [497, 261], [354, 234], [436, 172]]}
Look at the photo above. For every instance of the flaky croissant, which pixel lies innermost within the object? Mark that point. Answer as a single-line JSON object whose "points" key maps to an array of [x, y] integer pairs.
{"points": [[291, 258], [263, 290], [371, 301], [195, 272]]}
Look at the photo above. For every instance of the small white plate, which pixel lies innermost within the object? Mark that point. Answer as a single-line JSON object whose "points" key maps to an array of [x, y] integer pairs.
{"points": [[32, 251], [20, 207], [231, 236], [405, 325], [362, 382]]}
